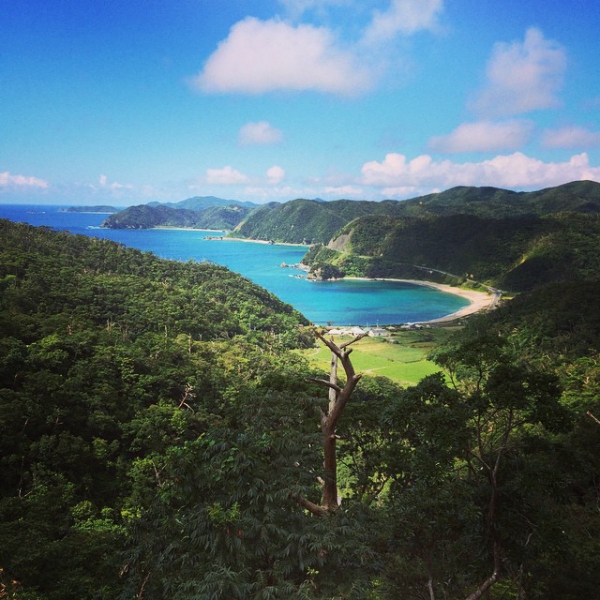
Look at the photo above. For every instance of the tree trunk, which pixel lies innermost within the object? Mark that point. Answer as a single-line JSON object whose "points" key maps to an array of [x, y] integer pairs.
{"points": [[338, 398]]}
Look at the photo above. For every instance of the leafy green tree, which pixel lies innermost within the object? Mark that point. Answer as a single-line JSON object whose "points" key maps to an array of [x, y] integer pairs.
{"points": [[225, 521]]}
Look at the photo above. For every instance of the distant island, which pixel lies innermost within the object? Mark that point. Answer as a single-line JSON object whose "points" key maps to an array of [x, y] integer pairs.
{"points": [[101, 209], [218, 218]]}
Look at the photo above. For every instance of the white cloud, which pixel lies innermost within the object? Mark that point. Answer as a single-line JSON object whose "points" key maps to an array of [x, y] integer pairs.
{"points": [[523, 76], [344, 191], [405, 17], [571, 137], [515, 171], [484, 136], [296, 7], [225, 176], [261, 133], [263, 56], [21, 181], [275, 175], [114, 186]]}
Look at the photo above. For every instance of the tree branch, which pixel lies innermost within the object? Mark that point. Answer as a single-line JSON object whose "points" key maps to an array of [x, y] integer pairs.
{"points": [[337, 350], [311, 507], [593, 417], [491, 580], [328, 384]]}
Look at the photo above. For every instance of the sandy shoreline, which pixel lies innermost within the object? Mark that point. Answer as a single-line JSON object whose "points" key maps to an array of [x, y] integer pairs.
{"points": [[233, 239], [224, 238], [479, 301]]}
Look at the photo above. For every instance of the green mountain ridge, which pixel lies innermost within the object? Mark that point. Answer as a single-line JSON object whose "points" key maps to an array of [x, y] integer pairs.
{"points": [[202, 202], [515, 254], [318, 222], [145, 216], [309, 221]]}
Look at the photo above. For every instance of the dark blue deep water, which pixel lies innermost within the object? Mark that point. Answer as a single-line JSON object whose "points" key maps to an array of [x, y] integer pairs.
{"points": [[348, 302]]}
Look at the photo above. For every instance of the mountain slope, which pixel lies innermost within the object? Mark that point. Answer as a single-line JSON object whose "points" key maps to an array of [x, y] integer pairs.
{"points": [[577, 196], [202, 202], [145, 216], [516, 253], [317, 222], [308, 221]]}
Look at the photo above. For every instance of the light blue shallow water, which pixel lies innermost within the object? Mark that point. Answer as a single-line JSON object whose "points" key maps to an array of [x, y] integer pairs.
{"points": [[347, 302]]}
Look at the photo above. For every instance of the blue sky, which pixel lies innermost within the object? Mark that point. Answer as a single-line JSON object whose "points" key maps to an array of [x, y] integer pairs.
{"points": [[129, 102]]}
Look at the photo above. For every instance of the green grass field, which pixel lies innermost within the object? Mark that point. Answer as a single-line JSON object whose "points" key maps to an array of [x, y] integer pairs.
{"points": [[404, 362]]}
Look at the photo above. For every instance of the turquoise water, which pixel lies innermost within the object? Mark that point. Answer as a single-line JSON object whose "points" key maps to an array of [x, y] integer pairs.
{"points": [[347, 302]]}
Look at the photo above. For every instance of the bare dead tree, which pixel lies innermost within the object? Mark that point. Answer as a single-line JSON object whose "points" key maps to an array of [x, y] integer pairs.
{"points": [[339, 395]]}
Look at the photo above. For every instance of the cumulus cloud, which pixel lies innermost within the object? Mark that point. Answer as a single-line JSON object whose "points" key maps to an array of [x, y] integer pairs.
{"points": [[344, 191], [297, 7], [484, 136], [21, 182], [571, 137], [114, 185], [515, 171], [263, 56], [275, 175], [225, 176], [405, 17], [261, 133], [522, 76]]}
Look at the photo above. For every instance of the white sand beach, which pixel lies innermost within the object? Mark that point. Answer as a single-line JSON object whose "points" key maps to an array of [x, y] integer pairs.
{"points": [[479, 301]]}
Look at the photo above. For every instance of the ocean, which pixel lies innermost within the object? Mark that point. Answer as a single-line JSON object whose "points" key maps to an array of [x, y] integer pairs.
{"points": [[346, 302]]}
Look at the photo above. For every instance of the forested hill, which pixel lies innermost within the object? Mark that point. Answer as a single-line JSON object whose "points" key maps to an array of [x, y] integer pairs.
{"points": [[109, 358], [145, 216], [515, 241], [50, 277], [577, 196], [159, 438], [516, 253], [307, 221], [314, 222], [202, 202]]}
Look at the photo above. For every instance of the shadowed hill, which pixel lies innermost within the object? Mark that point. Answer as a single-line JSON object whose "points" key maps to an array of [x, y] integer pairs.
{"points": [[516, 253], [145, 217]]}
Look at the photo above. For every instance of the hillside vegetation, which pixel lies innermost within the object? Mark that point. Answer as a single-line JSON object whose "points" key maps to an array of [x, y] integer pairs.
{"points": [[308, 221], [516, 253], [202, 202], [145, 216], [511, 240], [317, 222], [160, 436], [465, 234]]}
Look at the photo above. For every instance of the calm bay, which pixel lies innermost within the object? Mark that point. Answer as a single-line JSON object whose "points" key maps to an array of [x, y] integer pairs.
{"points": [[345, 302]]}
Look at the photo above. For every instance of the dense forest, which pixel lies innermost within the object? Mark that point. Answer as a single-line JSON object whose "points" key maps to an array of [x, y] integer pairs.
{"points": [[513, 241], [199, 212], [512, 253], [145, 216], [316, 222], [160, 437]]}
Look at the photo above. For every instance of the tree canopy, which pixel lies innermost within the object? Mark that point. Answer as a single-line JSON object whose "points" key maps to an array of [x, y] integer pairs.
{"points": [[160, 438]]}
